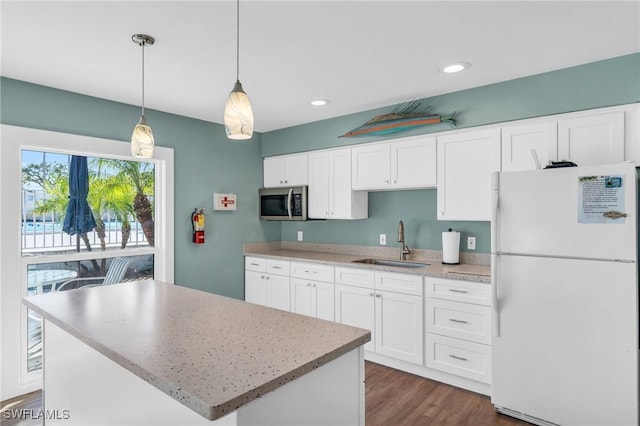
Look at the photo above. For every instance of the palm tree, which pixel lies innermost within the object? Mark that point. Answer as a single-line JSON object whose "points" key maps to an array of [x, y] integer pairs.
{"points": [[139, 177]]}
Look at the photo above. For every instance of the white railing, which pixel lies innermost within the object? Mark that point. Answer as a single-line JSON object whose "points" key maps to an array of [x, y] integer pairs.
{"points": [[43, 232]]}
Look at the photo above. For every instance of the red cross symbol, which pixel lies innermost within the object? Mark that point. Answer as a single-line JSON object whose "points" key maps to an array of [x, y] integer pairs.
{"points": [[226, 202]]}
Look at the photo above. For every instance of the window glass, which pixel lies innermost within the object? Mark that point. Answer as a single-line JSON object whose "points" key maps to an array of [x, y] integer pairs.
{"points": [[77, 275], [120, 200]]}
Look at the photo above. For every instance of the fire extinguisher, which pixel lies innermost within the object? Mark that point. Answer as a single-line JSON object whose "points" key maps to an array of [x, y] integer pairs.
{"points": [[197, 222]]}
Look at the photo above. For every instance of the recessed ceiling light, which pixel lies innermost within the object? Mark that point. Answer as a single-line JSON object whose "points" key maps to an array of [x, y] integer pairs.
{"points": [[319, 102], [457, 67]]}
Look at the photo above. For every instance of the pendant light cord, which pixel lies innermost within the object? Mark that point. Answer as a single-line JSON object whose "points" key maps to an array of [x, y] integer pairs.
{"points": [[142, 44], [238, 40]]}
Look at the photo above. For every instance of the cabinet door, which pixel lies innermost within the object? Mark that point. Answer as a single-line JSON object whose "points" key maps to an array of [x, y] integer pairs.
{"points": [[302, 297], [296, 170], [413, 163], [371, 166], [273, 170], [518, 140], [399, 326], [465, 163], [355, 306], [340, 193], [318, 194], [278, 292], [324, 301], [285, 170], [255, 288], [593, 139]]}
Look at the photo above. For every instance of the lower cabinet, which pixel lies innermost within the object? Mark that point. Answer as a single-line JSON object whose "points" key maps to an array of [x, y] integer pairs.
{"points": [[312, 298], [458, 328], [395, 319], [438, 328], [267, 290], [266, 282]]}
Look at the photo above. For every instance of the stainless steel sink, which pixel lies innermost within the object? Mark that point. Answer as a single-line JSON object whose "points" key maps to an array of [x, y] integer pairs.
{"points": [[397, 263]]}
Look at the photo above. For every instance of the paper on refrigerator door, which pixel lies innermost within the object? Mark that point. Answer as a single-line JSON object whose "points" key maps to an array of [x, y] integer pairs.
{"points": [[601, 199]]}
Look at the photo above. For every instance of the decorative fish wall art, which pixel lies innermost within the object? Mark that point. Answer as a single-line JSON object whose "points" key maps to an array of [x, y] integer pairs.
{"points": [[403, 117]]}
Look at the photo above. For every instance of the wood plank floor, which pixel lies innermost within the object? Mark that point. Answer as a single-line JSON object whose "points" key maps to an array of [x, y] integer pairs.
{"points": [[392, 398], [397, 398]]}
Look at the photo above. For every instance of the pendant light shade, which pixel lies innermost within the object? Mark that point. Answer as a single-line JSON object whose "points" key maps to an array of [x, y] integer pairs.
{"points": [[142, 142], [238, 114]]}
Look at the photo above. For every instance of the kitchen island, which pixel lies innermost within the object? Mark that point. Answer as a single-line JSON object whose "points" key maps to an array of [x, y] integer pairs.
{"points": [[153, 353]]}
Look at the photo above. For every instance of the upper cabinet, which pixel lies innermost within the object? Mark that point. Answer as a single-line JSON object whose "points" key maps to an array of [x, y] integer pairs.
{"points": [[330, 195], [286, 170], [521, 142], [592, 139], [465, 163], [406, 163]]}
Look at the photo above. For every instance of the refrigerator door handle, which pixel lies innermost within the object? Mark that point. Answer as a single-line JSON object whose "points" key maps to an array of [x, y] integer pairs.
{"points": [[495, 192]]}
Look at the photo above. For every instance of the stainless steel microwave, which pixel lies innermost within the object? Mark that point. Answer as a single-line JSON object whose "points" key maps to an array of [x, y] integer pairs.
{"points": [[283, 203]]}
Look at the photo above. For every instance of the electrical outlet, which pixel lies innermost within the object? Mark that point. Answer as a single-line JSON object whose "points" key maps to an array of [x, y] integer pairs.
{"points": [[383, 239], [471, 243], [300, 236]]}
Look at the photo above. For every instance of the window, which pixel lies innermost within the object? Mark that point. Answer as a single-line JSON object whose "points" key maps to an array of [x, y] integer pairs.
{"points": [[37, 255]]}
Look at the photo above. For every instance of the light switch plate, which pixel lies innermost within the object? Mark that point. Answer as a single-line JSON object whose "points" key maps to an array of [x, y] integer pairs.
{"points": [[383, 239], [300, 236]]}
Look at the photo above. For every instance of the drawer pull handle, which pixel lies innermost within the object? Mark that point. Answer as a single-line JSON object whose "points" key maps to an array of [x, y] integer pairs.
{"points": [[378, 295], [453, 290], [371, 294], [458, 321], [255, 264], [276, 267], [308, 284], [262, 276], [459, 358]]}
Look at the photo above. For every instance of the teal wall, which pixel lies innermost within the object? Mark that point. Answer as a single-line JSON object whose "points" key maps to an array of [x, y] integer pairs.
{"points": [[605, 83], [205, 162]]}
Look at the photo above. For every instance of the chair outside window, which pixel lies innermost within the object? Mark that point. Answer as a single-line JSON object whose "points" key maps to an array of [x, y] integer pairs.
{"points": [[115, 274]]}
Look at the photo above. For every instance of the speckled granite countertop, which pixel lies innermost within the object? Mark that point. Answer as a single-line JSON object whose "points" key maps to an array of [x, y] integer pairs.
{"points": [[211, 353], [338, 255]]}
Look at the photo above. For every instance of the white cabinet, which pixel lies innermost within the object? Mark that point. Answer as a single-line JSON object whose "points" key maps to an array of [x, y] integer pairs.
{"points": [[330, 195], [592, 139], [266, 282], [465, 163], [520, 138], [586, 138], [355, 306], [312, 290], [458, 328], [285, 170], [395, 318], [406, 163]]}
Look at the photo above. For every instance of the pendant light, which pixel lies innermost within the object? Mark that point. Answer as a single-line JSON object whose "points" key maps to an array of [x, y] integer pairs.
{"points": [[142, 137], [238, 114]]}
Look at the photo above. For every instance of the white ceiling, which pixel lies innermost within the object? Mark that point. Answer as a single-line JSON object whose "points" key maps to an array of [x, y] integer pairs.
{"points": [[359, 54]]}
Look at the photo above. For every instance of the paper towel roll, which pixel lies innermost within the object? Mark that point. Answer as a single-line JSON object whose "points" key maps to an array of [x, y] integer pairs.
{"points": [[451, 247]]}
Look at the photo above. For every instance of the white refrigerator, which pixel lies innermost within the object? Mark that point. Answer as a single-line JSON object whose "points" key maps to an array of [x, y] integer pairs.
{"points": [[565, 286]]}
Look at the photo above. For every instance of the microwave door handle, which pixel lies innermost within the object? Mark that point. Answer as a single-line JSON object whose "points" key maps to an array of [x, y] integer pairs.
{"points": [[289, 203]]}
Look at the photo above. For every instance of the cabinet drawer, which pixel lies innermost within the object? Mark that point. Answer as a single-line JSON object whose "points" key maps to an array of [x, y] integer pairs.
{"points": [[399, 283], [355, 277], [458, 291], [466, 359], [459, 320], [257, 264], [278, 267], [312, 271]]}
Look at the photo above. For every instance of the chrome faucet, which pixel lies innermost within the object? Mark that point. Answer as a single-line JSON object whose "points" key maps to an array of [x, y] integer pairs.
{"points": [[405, 250]]}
